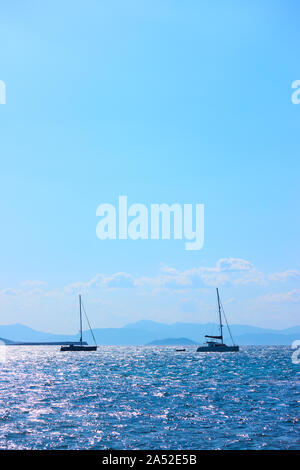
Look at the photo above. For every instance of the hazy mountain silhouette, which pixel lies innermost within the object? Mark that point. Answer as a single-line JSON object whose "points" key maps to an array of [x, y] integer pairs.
{"points": [[146, 331], [172, 342]]}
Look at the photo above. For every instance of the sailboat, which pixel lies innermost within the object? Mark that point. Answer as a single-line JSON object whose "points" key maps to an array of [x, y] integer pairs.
{"points": [[82, 346], [216, 342]]}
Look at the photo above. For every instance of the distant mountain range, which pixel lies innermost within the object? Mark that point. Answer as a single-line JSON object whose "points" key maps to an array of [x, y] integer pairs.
{"points": [[146, 331], [172, 342]]}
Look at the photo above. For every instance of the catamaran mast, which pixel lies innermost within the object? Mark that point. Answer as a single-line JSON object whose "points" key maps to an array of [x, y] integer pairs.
{"points": [[220, 316], [80, 314]]}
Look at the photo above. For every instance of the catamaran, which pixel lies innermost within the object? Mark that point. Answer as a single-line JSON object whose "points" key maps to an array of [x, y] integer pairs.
{"points": [[217, 344], [82, 346]]}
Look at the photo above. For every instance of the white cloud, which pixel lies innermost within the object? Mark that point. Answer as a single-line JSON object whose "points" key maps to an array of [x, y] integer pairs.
{"points": [[226, 270], [83, 285], [118, 280], [10, 291], [234, 264], [253, 277], [291, 296], [230, 271], [285, 275]]}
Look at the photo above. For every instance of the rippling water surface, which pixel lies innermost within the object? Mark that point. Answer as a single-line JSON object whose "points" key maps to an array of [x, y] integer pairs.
{"points": [[149, 398]]}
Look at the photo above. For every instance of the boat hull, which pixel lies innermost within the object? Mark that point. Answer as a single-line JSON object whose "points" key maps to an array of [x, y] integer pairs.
{"points": [[78, 348], [221, 348]]}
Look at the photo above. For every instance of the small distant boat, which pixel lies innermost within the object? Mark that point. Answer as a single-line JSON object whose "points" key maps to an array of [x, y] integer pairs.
{"points": [[217, 345], [82, 345], [180, 350]]}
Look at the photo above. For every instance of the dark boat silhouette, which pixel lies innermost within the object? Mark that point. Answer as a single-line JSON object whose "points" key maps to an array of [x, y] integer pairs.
{"points": [[82, 345], [217, 344]]}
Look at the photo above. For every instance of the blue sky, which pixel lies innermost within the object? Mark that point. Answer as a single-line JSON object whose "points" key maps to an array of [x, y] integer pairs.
{"points": [[163, 101]]}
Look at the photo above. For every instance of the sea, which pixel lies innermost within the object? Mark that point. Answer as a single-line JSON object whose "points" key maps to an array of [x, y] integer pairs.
{"points": [[123, 397]]}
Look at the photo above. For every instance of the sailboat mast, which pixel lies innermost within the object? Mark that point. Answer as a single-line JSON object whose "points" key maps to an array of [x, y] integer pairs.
{"points": [[220, 316], [80, 315]]}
